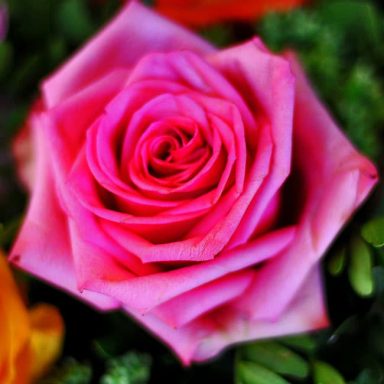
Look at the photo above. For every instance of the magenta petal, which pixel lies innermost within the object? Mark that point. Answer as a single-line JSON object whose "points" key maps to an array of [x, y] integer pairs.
{"points": [[68, 123], [45, 233], [267, 84], [336, 179], [190, 305], [206, 337], [133, 33], [146, 292]]}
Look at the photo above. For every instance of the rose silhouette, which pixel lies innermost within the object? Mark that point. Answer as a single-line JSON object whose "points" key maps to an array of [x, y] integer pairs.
{"points": [[195, 188]]}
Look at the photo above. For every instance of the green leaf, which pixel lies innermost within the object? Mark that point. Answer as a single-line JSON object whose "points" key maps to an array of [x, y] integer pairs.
{"points": [[70, 372], [9, 230], [337, 262], [373, 232], [368, 377], [74, 20], [323, 373], [302, 343], [277, 358], [358, 18], [251, 373], [360, 268], [6, 54], [132, 368]]}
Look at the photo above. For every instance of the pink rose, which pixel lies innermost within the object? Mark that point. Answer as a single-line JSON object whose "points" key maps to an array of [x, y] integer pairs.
{"points": [[195, 188]]}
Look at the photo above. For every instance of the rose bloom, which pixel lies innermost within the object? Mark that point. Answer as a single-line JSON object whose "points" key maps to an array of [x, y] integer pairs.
{"points": [[196, 189], [30, 341], [199, 13]]}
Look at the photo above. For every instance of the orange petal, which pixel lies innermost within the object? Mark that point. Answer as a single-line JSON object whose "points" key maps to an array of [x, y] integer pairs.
{"points": [[14, 328], [47, 335]]}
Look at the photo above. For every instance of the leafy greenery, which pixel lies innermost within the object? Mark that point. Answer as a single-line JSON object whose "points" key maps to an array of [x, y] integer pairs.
{"points": [[70, 372], [129, 369], [347, 76]]}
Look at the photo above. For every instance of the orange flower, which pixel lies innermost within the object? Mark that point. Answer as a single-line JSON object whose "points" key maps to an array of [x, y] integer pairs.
{"points": [[198, 13], [30, 341]]}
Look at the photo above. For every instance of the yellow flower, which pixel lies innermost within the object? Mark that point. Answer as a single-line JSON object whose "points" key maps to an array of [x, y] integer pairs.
{"points": [[30, 341]]}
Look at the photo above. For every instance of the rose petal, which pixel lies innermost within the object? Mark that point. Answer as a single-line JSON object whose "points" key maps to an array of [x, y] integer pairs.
{"points": [[204, 338], [336, 179], [147, 292], [187, 307], [267, 84], [69, 122], [133, 33], [44, 232]]}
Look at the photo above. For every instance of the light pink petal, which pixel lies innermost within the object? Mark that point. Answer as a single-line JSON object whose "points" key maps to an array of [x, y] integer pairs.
{"points": [[43, 246], [205, 337], [209, 237], [335, 179], [133, 33], [267, 84], [187, 307], [68, 123], [147, 292], [92, 247]]}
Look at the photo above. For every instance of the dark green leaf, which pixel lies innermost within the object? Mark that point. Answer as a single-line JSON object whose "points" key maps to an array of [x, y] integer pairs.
{"points": [[74, 20], [251, 373], [132, 368], [6, 54], [323, 373], [70, 372], [337, 261], [373, 232], [360, 268], [277, 358]]}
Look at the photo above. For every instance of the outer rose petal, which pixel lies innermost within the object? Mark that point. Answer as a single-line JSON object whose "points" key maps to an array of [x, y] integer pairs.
{"points": [[270, 94], [205, 337], [134, 33], [336, 179], [45, 232], [146, 292]]}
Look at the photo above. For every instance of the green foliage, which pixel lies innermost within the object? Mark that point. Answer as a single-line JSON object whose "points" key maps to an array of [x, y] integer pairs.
{"points": [[373, 232], [70, 372], [360, 269], [131, 368], [128, 369], [337, 262], [346, 75], [277, 358], [80, 26], [326, 374], [286, 360], [252, 373]]}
